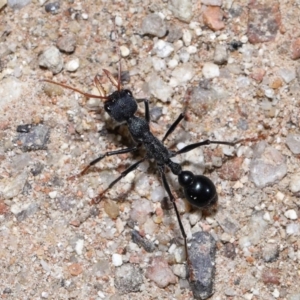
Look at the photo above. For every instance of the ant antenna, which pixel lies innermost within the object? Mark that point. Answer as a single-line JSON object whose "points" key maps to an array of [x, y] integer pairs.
{"points": [[119, 55]]}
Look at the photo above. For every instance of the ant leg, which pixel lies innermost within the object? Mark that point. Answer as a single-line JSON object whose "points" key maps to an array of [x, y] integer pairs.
{"points": [[110, 153], [147, 112], [123, 174], [172, 199], [173, 126], [204, 143]]}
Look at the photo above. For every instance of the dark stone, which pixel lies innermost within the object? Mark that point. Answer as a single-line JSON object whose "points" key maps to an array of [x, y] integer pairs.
{"points": [[35, 139], [52, 7], [129, 278], [30, 210], [24, 128], [37, 169], [229, 250], [142, 242], [201, 264]]}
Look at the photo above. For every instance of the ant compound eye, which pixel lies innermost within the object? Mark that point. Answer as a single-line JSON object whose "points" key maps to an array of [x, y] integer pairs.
{"points": [[128, 92]]}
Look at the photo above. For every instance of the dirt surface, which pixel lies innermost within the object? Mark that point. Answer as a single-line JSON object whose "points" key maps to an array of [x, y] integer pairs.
{"points": [[54, 244]]}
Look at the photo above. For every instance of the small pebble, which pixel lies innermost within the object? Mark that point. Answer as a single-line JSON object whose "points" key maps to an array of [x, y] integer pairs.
{"points": [[111, 208], [293, 142], [213, 18], [182, 9], [295, 183], [11, 187], [154, 25], [159, 89], [210, 70], [158, 194], [124, 51], [52, 7], [158, 64], [51, 59], [45, 295], [172, 63], [291, 214], [270, 252], [184, 56], [187, 37], [67, 43], [295, 49], [220, 55], [117, 260], [267, 166], [84, 16], [163, 49], [79, 246], [75, 269], [17, 4], [128, 278], [140, 210], [160, 272], [53, 194], [286, 74], [293, 229], [118, 21]]}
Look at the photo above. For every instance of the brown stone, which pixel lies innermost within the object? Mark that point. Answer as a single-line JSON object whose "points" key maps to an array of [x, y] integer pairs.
{"points": [[295, 49], [232, 169], [264, 21], [75, 269], [258, 74], [275, 83], [213, 18]]}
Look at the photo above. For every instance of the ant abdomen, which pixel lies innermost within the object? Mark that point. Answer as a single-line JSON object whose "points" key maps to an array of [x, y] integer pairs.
{"points": [[199, 190]]}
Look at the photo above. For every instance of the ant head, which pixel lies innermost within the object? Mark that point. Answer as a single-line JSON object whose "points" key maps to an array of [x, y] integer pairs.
{"points": [[120, 105]]}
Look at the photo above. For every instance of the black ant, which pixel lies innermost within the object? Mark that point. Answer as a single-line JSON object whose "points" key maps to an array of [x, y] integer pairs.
{"points": [[199, 190]]}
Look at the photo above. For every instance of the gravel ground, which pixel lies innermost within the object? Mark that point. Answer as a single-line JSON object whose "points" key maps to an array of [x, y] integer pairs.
{"points": [[233, 66]]}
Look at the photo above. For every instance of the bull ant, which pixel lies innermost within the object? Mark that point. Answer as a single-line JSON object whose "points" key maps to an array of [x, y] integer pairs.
{"points": [[199, 190]]}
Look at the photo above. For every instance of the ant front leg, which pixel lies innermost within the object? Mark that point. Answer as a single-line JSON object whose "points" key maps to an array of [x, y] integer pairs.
{"points": [[110, 153], [147, 111]]}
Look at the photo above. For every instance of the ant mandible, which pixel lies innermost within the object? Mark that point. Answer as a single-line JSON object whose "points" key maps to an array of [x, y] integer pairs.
{"points": [[199, 190]]}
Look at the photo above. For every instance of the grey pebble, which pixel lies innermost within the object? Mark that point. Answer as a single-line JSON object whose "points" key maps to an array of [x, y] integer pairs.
{"points": [[159, 89], [267, 166], [154, 25], [229, 250], [228, 223], [36, 139], [27, 212], [11, 187], [202, 264], [293, 142], [37, 169], [182, 9], [67, 43], [287, 75], [142, 242], [270, 252], [7, 291], [174, 33], [155, 113], [129, 278], [295, 183], [51, 59], [220, 55], [52, 7], [17, 4]]}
